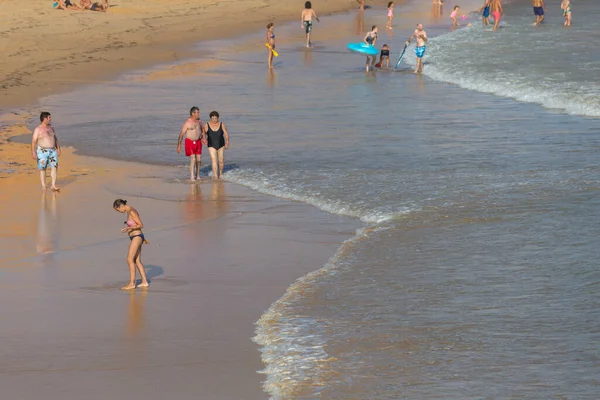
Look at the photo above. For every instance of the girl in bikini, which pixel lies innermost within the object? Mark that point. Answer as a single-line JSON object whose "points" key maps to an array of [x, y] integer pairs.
{"points": [[136, 237], [271, 42]]}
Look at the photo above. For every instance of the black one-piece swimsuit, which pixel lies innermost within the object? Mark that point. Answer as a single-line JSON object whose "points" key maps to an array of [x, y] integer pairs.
{"points": [[216, 139]]}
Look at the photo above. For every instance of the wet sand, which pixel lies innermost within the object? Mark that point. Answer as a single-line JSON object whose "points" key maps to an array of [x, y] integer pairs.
{"points": [[47, 51], [219, 255]]}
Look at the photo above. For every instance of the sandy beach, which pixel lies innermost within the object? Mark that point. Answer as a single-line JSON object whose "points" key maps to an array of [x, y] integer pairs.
{"points": [[455, 256], [218, 256], [48, 51]]}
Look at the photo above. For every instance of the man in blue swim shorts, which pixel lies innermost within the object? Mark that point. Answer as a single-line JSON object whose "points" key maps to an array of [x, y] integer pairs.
{"points": [[421, 37], [45, 149], [538, 11]]}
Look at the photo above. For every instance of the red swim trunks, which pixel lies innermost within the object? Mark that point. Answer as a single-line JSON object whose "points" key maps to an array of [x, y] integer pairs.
{"points": [[193, 147], [496, 15]]}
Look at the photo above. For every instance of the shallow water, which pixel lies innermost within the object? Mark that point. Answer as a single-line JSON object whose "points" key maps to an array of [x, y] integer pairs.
{"points": [[475, 275]]}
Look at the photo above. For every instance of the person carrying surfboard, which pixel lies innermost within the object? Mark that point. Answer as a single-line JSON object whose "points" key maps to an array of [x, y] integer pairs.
{"points": [[370, 39], [421, 37]]}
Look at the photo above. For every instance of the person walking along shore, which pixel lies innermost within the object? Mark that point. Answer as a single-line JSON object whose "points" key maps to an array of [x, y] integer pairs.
{"points": [[45, 149], [218, 141], [194, 137]]}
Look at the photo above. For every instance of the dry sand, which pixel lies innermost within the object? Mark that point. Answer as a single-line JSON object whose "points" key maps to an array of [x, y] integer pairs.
{"points": [[45, 50]]}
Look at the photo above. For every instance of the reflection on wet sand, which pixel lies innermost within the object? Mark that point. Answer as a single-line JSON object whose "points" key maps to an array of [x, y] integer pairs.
{"points": [[135, 313], [359, 22], [307, 57], [271, 78], [46, 242], [436, 11], [420, 83], [217, 196], [193, 205]]}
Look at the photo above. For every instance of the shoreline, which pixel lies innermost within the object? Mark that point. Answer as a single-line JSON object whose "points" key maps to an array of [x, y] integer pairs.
{"points": [[101, 46], [219, 255]]}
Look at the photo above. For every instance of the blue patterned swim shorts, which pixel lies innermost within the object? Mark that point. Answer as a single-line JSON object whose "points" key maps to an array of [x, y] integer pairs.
{"points": [[46, 157], [420, 51]]}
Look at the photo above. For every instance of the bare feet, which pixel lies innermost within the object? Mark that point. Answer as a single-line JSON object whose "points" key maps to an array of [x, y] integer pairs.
{"points": [[55, 189], [129, 287], [143, 285]]}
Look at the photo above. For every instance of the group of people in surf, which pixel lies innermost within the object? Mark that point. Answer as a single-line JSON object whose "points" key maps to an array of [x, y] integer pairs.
{"points": [[494, 7], [491, 8]]}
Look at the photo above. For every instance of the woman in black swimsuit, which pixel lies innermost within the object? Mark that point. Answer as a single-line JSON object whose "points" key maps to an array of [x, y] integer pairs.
{"points": [[218, 141], [371, 38]]}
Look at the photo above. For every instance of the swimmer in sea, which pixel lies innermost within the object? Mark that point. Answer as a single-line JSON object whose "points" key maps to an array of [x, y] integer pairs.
{"points": [[218, 141], [566, 8], [421, 38], [538, 11], [306, 19], [271, 42], [136, 240], [371, 38], [496, 10], [485, 13]]}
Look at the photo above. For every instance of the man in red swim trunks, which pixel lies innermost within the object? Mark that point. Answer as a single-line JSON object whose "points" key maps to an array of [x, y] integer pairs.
{"points": [[194, 138], [496, 10]]}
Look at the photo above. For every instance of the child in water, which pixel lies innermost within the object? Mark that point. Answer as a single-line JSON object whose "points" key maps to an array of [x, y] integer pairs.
{"points": [[384, 57], [307, 15], [454, 15], [566, 7], [485, 13], [390, 15]]}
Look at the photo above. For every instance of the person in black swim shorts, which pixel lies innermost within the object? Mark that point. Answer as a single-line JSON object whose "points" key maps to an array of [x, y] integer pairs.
{"points": [[538, 11], [307, 15]]}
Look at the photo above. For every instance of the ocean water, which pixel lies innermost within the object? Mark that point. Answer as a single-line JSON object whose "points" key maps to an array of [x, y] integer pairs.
{"points": [[475, 275]]}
